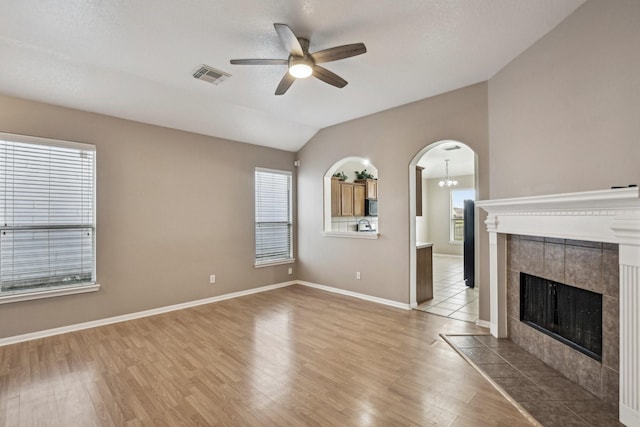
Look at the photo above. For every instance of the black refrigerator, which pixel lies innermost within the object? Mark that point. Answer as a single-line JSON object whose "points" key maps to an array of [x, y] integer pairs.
{"points": [[468, 250]]}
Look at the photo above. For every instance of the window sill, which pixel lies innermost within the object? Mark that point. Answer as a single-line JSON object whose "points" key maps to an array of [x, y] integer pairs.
{"points": [[271, 264], [353, 234], [48, 293]]}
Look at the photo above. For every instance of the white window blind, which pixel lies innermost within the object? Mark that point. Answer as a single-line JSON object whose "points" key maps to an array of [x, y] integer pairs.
{"points": [[274, 223], [47, 217]]}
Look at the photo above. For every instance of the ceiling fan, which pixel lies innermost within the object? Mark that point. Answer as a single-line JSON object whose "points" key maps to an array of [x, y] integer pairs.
{"points": [[303, 64]]}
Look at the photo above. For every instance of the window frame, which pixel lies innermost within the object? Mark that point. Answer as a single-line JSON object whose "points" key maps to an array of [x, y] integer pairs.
{"points": [[48, 291], [289, 259], [454, 221]]}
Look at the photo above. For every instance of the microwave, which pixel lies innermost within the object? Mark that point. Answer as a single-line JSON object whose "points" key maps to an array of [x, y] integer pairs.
{"points": [[370, 207]]}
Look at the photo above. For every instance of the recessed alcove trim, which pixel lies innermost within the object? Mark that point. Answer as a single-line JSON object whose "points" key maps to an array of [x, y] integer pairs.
{"points": [[327, 228]]}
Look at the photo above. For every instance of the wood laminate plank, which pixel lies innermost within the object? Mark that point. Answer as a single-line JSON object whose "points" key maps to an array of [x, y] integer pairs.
{"points": [[289, 357]]}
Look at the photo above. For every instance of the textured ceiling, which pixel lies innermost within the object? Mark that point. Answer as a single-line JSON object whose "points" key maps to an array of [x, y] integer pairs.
{"points": [[134, 58]]}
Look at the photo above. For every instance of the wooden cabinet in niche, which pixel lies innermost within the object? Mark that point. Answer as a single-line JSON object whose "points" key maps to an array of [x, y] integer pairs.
{"points": [[359, 193], [347, 198], [371, 191], [335, 197]]}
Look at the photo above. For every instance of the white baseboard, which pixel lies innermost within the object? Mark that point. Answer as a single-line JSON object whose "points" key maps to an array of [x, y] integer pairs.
{"points": [[137, 315], [629, 416], [483, 323], [365, 297], [152, 312]]}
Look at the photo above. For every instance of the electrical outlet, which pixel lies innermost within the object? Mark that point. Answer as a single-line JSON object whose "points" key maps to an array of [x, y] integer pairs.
{"points": [[290, 270], [358, 275], [212, 279]]}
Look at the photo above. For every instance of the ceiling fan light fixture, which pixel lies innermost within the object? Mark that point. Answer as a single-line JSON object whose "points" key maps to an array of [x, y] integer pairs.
{"points": [[301, 63], [300, 68]]}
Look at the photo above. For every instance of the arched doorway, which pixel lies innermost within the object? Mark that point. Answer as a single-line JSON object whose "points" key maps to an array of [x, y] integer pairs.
{"points": [[440, 221]]}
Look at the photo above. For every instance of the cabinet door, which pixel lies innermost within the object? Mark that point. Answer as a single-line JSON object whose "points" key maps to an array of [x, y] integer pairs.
{"points": [[335, 197], [346, 199], [419, 190], [358, 199], [372, 189]]}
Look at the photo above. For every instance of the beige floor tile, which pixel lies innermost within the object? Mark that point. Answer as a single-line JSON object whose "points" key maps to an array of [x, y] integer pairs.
{"points": [[449, 305], [450, 293]]}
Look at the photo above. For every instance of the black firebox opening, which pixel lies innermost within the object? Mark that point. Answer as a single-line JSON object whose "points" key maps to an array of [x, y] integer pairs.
{"points": [[569, 314]]}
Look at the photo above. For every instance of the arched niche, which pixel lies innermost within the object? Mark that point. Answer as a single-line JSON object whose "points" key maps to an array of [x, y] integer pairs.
{"points": [[339, 223]]}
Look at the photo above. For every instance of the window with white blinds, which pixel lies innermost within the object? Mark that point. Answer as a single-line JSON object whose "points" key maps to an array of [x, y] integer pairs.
{"points": [[47, 217], [274, 216]]}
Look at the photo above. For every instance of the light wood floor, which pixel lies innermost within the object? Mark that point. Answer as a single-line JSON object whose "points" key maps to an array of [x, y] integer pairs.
{"points": [[289, 357]]}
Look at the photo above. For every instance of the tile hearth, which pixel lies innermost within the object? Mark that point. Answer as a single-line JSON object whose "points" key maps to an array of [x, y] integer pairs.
{"points": [[541, 391]]}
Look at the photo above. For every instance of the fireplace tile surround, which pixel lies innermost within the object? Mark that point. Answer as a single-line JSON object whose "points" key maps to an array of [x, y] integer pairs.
{"points": [[584, 220], [586, 265]]}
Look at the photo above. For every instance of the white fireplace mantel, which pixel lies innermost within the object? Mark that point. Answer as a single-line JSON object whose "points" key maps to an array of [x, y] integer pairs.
{"points": [[611, 216]]}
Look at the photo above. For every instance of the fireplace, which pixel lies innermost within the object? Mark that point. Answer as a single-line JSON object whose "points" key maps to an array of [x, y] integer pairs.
{"points": [[604, 224], [566, 313], [543, 265]]}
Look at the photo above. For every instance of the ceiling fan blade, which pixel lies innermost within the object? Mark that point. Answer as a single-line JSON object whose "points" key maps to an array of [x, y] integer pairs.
{"points": [[259, 61], [289, 40], [328, 77], [339, 52], [285, 83]]}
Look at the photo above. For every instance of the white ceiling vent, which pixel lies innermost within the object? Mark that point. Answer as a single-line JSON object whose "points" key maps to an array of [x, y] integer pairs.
{"points": [[210, 74]]}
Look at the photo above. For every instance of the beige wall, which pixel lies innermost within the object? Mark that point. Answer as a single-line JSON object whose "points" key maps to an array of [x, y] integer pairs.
{"points": [[439, 214], [390, 139], [172, 208], [564, 114]]}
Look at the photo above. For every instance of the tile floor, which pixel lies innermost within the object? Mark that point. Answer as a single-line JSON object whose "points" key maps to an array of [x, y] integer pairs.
{"points": [[451, 298], [540, 390]]}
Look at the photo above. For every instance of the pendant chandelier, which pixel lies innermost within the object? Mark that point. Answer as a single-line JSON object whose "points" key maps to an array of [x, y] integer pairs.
{"points": [[447, 181]]}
